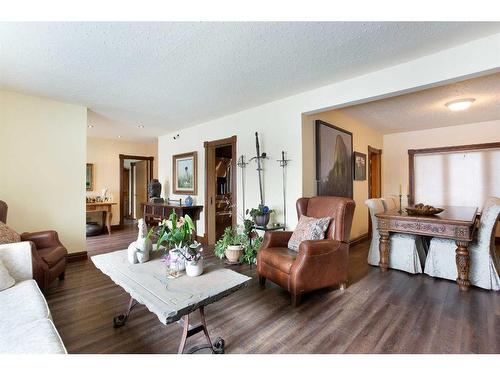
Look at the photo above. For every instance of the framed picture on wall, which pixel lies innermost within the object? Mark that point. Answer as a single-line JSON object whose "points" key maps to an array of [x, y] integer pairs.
{"points": [[184, 173], [89, 180], [334, 169], [359, 166]]}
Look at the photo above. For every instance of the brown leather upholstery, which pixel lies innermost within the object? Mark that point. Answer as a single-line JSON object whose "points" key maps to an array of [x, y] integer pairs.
{"points": [[49, 256], [317, 264]]}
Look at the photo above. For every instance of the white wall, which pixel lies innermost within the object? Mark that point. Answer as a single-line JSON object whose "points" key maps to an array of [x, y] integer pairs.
{"points": [[279, 123], [105, 155], [42, 166]]}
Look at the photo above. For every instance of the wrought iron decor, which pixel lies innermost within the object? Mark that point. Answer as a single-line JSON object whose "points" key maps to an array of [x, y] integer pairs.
{"points": [[283, 163]]}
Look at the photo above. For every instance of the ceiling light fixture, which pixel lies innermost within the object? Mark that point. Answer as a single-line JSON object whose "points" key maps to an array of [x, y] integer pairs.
{"points": [[119, 136], [140, 126], [90, 126], [460, 104]]}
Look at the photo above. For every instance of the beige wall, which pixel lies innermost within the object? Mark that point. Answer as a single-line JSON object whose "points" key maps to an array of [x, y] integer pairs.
{"points": [[42, 166], [362, 137], [104, 154]]}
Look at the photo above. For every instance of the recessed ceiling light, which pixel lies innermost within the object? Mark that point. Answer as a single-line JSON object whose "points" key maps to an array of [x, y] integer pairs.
{"points": [[90, 126], [119, 136], [460, 104], [140, 126]]}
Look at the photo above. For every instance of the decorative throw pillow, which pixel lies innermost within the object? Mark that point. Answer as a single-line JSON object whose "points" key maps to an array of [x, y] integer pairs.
{"points": [[6, 281], [308, 228], [8, 235]]}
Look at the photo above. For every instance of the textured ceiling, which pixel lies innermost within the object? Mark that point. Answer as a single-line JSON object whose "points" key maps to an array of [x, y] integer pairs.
{"points": [[426, 109], [172, 75]]}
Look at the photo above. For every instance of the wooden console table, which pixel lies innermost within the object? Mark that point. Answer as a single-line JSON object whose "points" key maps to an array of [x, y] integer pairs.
{"points": [[455, 223], [153, 213], [105, 208]]}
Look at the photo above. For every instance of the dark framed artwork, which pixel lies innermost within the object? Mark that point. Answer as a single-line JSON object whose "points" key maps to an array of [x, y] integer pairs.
{"points": [[359, 166], [89, 179], [334, 160], [185, 173]]}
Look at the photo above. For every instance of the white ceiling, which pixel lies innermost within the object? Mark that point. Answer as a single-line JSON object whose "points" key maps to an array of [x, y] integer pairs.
{"points": [[426, 109], [168, 76]]}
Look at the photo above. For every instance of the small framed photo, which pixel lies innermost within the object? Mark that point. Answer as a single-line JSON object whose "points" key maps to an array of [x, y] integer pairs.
{"points": [[184, 173], [359, 166]]}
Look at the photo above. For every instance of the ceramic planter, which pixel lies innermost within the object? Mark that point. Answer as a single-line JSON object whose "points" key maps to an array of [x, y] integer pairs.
{"points": [[233, 253], [176, 257], [194, 268], [262, 220]]}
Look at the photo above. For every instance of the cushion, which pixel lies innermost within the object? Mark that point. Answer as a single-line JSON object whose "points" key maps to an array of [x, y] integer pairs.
{"points": [[37, 337], [23, 303], [8, 235], [278, 257], [308, 228], [52, 255], [6, 281]]}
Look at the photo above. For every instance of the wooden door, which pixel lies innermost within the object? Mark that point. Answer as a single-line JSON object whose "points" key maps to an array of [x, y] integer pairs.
{"points": [[141, 186], [374, 177], [211, 186], [126, 192]]}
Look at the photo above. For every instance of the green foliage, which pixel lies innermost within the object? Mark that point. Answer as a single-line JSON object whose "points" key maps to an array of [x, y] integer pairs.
{"points": [[230, 237], [261, 210], [251, 249], [175, 231]]}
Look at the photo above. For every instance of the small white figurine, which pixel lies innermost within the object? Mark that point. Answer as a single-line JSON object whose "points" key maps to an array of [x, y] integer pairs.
{"points": [[138, 251]]}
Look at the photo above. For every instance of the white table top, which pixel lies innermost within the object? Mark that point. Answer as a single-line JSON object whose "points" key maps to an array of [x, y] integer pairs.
{"points": [[169, 299]]}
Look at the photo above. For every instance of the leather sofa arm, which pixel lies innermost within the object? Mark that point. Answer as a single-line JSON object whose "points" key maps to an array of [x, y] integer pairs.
{"points": [[276, 239], [43, 239]]}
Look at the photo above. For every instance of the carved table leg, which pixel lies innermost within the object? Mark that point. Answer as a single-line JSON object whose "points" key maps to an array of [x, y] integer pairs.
{"points": [[384, 247], [463, 263]]}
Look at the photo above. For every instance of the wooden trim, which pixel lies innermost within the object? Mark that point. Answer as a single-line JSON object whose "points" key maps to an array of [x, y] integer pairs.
{"points": [[194, 155], [318, 153], [75, 257], [121, 164], [359, 239], [230, 141], [371, 151], [437, 150]]}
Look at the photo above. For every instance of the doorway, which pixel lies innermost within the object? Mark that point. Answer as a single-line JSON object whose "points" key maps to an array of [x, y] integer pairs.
{"points": [[135, 174], [220, 192], [374, 178]]}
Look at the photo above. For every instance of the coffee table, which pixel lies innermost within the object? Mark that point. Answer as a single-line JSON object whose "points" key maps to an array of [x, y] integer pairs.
{"points": [[170, 299]]}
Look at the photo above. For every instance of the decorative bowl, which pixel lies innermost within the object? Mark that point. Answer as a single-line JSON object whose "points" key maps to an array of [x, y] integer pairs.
{"points": [[421, 209]]}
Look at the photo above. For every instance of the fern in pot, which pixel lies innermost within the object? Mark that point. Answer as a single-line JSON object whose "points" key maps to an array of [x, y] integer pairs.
{"points": [[230, 245]]}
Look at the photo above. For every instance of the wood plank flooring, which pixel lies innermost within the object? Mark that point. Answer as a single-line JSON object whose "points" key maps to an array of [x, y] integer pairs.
{"points": [[392, 312]]}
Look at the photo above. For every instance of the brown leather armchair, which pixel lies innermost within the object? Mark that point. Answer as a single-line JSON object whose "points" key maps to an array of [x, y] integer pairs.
{"points": [[48, 253], [49, 257], [317, 264]]}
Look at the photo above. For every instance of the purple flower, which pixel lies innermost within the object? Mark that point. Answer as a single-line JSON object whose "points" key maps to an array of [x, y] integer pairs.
{"points": [[265, 210]]}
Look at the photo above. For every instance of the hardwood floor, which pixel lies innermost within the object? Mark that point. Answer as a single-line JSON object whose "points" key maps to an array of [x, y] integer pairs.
{"points": [[392, 312]]}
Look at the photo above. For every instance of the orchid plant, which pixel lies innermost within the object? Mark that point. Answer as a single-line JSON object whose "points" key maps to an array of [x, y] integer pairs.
{"points": [[176, 232]]}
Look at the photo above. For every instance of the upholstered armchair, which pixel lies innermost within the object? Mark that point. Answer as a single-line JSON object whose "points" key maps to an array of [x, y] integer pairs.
{"points": [[48, 253], [408, 250], [484, 262], [317, 264]]}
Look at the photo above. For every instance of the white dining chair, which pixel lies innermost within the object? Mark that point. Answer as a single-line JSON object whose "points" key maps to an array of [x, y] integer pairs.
{"points": [[407, 250], [484, 262]]}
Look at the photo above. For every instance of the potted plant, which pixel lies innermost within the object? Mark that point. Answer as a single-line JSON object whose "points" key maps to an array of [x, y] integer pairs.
{"points": [[176, 234], [230, 245], [260, 215], [194, 259]]}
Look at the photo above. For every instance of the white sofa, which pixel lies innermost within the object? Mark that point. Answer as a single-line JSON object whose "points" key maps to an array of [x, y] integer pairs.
{"points": [[25, 322]]}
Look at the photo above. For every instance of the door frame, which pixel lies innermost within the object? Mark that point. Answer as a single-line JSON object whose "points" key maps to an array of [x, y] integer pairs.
{"points": [[122, 158], [372, 151], [231, 141]]}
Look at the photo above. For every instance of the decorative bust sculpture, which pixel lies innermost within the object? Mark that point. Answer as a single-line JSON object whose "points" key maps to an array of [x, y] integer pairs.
{"points": [[154, 191]]}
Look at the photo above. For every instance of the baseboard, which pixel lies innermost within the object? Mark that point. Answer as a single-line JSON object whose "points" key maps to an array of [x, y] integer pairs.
{"points": [[76, 257], [358, 239]]}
